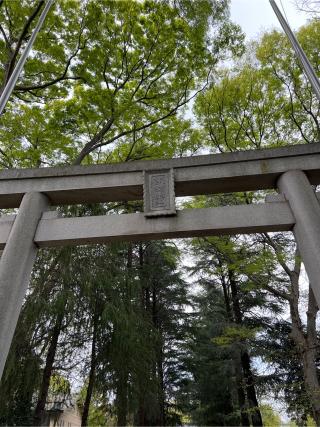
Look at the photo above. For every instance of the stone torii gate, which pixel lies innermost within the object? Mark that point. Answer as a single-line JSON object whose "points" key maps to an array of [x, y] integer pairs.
{"points": [[291, 170]]}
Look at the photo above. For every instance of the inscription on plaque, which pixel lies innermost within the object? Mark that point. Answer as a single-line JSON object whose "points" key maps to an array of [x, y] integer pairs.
{"points": [[158, 190]]}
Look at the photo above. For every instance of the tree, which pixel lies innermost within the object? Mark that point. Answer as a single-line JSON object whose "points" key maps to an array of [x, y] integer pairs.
{"points": [[309, 6], [281, 68], [220, 261], [272, 82], [264, 101], [209, 392], [242, 110], [108, 74], [285, 379], [270, 417], [20, 379], [127, 67], [139, 353], [304, 337]]}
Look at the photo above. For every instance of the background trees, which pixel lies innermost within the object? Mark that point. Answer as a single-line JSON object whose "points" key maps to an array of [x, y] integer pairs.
{"points": [[125, 66], [138, 337], [274, 105], [310, 6]]}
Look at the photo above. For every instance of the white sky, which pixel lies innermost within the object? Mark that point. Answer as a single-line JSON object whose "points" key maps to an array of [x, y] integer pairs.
{"points": [[256, 16]]}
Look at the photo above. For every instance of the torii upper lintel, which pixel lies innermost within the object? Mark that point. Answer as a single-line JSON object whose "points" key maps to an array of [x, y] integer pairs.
{"points": [[291, 170]]}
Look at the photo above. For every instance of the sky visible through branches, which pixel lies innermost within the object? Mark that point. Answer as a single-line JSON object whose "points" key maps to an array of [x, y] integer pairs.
{"points": [[256, 16]]}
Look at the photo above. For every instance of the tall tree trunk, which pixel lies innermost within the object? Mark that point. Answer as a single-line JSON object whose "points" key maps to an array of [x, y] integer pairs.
{"points": [[161, 396], [256, 417], [245, 421], [255, 414], [239, 380], [141, 415], [226, 296], [86, 406], [122, 381], [150, 307], [312, 378], [307, 345], [122, 398], [159, 362], [43, 395]]}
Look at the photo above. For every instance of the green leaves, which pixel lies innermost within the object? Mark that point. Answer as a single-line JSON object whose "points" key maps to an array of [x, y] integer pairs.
{"points": [[265, 100], [235, 334], [241, 111], [104, 73]]}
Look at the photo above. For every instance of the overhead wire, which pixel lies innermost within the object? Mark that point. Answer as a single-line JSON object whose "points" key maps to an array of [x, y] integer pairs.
{"points": [[18, 68], [284, 12], [302, 57]]}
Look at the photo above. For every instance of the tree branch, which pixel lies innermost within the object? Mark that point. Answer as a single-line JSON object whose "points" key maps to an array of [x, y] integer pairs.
{"points": [[22, 37], [277, 253], [64, 74]]}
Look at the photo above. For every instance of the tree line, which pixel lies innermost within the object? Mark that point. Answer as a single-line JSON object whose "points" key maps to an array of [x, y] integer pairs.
{"points": [[210, 331]]}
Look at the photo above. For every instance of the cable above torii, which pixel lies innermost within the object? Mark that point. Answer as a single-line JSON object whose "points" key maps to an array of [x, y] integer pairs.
{"points": [[16, 72], [305, 63]]}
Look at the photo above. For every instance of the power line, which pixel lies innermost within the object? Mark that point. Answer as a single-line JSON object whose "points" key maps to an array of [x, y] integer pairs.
{"points": [[16, 72], [284, 12], [305, 63]]}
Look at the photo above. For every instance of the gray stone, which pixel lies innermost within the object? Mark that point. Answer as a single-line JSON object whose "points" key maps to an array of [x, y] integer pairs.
{"points": [[306, 209], [220, 173], [158, 193], [16, 265], [187, 223], [51, 215], [271, 198]]}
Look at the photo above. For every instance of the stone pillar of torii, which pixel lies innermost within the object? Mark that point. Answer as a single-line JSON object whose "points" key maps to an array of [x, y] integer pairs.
{"points": [[291, 170]]}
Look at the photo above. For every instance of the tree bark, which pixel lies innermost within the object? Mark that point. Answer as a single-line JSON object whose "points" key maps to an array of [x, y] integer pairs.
{"points": [[86, 406], [161, 397], [310, 355], [122, 380], [231, 315], [306, 342], [307, 346], [245, 421], [255, 413], [159, 369], [43, 395], [122, 398], [248, 377]]}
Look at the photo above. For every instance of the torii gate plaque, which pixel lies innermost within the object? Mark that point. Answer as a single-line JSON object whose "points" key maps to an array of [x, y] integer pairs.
{"points": [[291, 170], [158, 193]]}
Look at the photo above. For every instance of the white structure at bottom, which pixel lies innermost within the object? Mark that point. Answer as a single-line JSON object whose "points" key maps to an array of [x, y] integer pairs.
{"points": [[62, 415]]}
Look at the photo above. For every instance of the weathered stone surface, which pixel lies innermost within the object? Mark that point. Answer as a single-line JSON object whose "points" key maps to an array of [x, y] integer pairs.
{"points": [[158, 193], [16, 265], [231, 172], [261, 217], [305, 207], [219, 173], [271, 198], [181, 162]]}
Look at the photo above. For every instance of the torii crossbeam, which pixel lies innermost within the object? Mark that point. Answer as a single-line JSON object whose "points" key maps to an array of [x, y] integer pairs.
{"points": [[290, 170]]}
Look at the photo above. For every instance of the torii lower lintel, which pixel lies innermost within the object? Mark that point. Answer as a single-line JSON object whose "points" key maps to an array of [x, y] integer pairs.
{"points": [[290, 169]]}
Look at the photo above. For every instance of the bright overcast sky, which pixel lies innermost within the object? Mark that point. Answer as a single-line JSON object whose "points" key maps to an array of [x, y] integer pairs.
{"points": [[256, 16]]}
